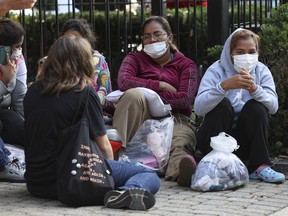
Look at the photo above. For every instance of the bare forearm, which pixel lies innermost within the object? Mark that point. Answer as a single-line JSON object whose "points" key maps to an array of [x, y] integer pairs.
{"points": [[105, 147], [6, 5]]}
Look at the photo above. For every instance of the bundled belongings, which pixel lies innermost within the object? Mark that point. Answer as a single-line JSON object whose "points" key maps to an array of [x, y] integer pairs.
{"points": [[220, 169], [150, 146]]}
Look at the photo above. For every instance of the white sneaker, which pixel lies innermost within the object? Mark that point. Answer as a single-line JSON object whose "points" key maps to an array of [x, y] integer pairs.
{"points": [[14, 172]]}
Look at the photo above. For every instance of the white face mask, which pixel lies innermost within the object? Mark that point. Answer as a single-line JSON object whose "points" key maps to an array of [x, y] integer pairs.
{"points": [[16, 54], [247, 61], [155, 50]]}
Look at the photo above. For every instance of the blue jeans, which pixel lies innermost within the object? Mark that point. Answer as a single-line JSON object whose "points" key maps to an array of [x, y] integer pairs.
{"points": [[4, 153], [127, 175]]}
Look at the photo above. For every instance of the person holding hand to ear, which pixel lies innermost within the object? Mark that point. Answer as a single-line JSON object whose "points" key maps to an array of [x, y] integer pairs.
{"points": [[236, 95], [13, 83], [7, 71]]}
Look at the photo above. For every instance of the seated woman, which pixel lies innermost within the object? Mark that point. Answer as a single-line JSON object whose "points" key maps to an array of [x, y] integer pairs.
{"points": [[12, 83], [174, 77], [50, 106], [102, 80], [236, 96]]}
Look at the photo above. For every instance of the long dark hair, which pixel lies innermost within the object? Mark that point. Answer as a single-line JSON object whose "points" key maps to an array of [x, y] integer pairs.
{"points": [[82, 27], [10, 32]]}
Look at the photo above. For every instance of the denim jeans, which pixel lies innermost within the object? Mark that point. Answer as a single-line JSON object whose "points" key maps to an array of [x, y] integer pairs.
{"points": [[128, 175], [4, 153]]}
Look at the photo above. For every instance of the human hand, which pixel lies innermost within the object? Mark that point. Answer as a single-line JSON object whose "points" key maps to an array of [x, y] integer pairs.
{"points": [[7, 71], [164, 86], [6, 5], [243, 80]]}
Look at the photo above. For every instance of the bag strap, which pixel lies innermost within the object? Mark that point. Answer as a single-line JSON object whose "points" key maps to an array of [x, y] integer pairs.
{"points": [[83, 97]]}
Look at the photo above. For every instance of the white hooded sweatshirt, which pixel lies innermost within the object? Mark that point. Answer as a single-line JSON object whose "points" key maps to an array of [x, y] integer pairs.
{"points": [[210, 92]]}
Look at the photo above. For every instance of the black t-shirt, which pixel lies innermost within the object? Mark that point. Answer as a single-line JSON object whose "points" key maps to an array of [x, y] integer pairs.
{"points": [[45, 117]]}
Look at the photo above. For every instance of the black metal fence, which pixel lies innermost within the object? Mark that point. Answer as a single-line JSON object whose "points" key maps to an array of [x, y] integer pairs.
{"points": [[197, 24]]}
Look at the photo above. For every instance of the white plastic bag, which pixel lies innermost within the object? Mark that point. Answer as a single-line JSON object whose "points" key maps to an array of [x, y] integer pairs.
{"points": [[151, 144], [156, 106], [220, 169], [16, 152]]}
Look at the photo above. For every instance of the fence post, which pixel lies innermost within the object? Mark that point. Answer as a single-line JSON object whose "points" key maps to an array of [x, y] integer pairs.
{"points": [[218, 22], [157, 8]]}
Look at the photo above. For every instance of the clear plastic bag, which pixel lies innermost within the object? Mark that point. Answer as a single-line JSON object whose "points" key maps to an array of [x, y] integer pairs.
{"points": [[150, 146], [220, 169], [16, 152]]}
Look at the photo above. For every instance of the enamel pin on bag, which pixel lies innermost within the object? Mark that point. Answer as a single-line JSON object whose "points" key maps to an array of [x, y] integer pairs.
{"points": [[84, 176]]}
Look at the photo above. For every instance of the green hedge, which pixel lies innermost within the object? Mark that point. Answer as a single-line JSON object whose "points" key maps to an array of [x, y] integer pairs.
{"points": [[117, 22], [274, 52]]}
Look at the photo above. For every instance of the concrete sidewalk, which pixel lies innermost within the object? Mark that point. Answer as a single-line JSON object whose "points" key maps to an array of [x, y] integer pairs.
{"points": [[256, 198]]}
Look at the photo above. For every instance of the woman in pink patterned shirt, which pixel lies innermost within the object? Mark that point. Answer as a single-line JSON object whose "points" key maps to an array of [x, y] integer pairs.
{"points": [[102, 80]]}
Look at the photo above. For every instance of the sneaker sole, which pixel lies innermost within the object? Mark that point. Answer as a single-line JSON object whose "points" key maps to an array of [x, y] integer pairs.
{"points": [[185, 174], [134, 198], [12, 180]]}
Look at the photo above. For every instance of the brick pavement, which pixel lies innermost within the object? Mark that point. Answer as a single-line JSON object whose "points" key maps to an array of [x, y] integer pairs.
{"points": [[255, 198]]}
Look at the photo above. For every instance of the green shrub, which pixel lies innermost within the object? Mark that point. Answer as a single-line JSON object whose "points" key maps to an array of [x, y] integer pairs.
{"points": [[214, 53], [117, 35], [274, 53]]}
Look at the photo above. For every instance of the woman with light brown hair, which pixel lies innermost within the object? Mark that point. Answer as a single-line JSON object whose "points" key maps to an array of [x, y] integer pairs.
{"points": [[53, 103]]}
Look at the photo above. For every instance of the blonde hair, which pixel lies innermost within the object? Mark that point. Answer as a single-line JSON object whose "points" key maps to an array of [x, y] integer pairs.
{"points": [[69, 63], [243, 35]]}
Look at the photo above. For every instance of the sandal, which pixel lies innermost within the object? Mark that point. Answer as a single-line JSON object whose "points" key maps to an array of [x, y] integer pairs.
{"points": [[265, 173]]}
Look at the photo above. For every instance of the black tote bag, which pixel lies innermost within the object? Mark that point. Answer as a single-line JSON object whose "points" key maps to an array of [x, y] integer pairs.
{"points": [[83, 174]]}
